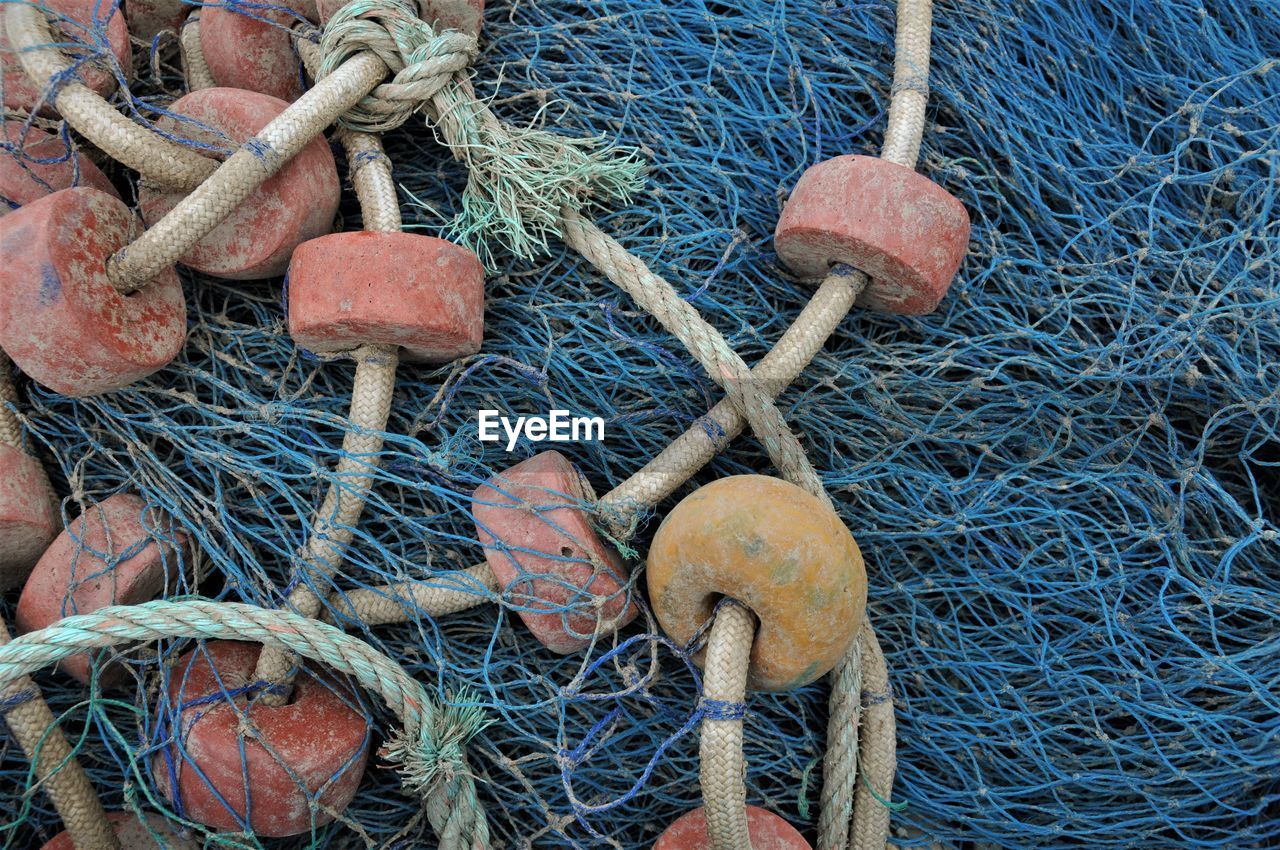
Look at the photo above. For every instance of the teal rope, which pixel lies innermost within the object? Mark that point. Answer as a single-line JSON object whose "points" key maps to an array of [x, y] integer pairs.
{"points": [[429, 751]]}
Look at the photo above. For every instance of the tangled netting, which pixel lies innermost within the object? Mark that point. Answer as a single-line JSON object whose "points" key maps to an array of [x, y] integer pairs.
{"points": [[1064, 481]]}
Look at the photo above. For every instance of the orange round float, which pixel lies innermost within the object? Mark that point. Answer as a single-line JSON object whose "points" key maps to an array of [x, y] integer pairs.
{"points": [[777, 550]]}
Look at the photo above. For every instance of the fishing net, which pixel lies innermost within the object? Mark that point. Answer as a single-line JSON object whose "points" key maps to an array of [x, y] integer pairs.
{"points": [[1063, 481]]}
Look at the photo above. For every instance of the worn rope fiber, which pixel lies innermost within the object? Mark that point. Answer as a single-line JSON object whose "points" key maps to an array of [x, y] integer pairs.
{"points": [[518, 179]]}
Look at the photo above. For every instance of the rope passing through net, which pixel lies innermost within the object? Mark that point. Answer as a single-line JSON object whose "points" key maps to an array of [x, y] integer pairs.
{"points": [[1063, 481]]}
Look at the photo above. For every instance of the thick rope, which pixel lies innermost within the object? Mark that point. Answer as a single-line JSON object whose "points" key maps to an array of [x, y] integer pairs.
{"points": [[723, 770], [33, 726], [371, 395], [31, 722], [711, 434], [156, 158], [705, 343], [261, 157], [874, 767], [335, 521], [194, 68], [160, 246], [371, 177], [840, 760], [398, 603], [10, 427], [420, 59], [723, 767], [429, 750], [910, 95], [519, 178], [877, 756], [370, 168]]}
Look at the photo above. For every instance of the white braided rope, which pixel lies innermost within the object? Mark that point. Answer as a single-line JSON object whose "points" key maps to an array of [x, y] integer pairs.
{"points": [[693, 449], [194, 66], [371, 395], [723, 769], [877, 752], [56, 768], [910, 96], [398, 603], [334, 525], [161, 161], [199, 212]]}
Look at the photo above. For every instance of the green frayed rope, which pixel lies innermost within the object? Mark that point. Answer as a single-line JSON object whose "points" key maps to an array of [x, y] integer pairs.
{"points": [[431, 758], [519, 179], [429, 751]]}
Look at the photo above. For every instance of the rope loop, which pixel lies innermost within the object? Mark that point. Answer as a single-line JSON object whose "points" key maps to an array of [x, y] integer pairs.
{"points": [[422, 60]]}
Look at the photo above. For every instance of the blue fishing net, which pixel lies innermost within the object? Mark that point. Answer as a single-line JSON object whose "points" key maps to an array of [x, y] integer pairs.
{"points": [[1063, 481]]}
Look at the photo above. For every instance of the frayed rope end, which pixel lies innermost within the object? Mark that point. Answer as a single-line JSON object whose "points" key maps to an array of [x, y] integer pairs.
{"points": [[521, 179], [434, 753]]}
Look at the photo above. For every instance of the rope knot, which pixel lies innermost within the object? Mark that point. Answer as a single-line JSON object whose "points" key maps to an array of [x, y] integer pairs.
{"points": [[518, 178], [422, 60]]}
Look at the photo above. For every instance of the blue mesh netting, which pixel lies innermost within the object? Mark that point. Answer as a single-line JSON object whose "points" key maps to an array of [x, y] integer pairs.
{"points": [[1063, 481]]}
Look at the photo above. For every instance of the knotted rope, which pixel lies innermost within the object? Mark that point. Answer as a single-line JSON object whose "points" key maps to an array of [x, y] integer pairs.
{"points": [[385, 26], [388, 28], [518, 178], [752, 401], [423, 61], [335, 521]]}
